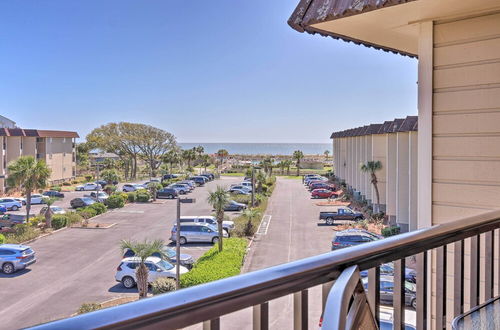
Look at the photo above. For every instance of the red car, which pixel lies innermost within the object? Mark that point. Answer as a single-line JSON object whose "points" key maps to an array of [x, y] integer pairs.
{"points": [[323, 193]]}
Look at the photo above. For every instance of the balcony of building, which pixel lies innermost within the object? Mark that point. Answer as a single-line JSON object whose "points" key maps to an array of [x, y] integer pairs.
{"points": [[468, 248]]}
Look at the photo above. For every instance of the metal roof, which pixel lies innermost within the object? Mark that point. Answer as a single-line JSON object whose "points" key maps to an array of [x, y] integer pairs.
{"points": [[407, 124], [309, 12], [37, 133]]}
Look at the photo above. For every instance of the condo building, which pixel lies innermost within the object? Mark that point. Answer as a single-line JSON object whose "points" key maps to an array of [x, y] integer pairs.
{"points": [[56, 148], [394, 144]]}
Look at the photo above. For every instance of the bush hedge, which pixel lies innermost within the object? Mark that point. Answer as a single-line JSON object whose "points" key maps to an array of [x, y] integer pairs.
{"points": [[143, 196], [87, 212], [100, 208], [115, 201], [131, 196], [66, 183], [88, 307], [56, 188], [59, 221], [163, 285], [215, 265], [2, 239], [390, 231]]}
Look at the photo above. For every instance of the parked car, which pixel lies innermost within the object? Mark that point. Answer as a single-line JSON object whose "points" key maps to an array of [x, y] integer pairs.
{"points": [[343, 213], [387, 291], [247, 184], [11, 204], [3, 209], [200, 180], [322, 185], [235, 206], [100, 196], [210, 176], [130, 187], [180, 187], [19, 199], [81, 202], [38, 199], [55, 210], [352, 237], [388, 269], [53, 193], [239, 191], [196, 232], [11, 220], [145, 184], [14, 257], [167, 193], [190, 183], [88, 187], [323, 193], [169, 176], [186, 260], [125, 272], [226, 224], [241, 187]]}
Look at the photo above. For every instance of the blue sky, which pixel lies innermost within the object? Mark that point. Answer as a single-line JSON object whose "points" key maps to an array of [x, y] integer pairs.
{"points": [[206, 71]]}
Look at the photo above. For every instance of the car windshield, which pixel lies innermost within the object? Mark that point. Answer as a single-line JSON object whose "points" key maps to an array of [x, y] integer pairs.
{"points": [[212, 227], [165, 265], [170, 253], [56, 209], [87, 199], [410, 286]]}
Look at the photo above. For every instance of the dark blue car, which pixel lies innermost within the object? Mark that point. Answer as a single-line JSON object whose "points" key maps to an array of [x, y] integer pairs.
{"points": [[235, 206]]}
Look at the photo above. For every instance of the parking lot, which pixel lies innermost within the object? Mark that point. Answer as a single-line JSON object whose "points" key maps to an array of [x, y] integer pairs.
{"points": [[78, 265]]}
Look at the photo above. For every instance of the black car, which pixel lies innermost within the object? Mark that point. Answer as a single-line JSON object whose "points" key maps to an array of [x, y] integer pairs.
{"points": [[210, 176], [53, 193], [388, 269], [169, 176], [166, 193], [234, 206], [387, 291], [81, 202], [351, 237]]}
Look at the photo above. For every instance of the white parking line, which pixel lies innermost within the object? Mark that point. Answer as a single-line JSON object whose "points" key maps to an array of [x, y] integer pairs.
{"points": [[124, 211], [264, 225]]}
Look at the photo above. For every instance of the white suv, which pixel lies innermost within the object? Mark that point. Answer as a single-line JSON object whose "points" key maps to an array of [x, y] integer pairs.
{"points": [[125, 273], [226, 224]]}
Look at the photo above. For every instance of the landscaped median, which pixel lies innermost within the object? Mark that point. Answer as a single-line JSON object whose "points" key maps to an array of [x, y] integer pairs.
{"points": [[215, 265]]}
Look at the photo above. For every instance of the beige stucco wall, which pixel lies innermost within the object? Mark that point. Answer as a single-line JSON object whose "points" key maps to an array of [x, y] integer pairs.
{"points": [[13, 148], [59, 157], [391, 176], [413, 178], [29, 146], [403, 180]]}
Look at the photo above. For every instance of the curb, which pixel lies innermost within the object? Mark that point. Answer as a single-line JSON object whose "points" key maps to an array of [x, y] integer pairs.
{"points": [[44, 235], [110, 226]]}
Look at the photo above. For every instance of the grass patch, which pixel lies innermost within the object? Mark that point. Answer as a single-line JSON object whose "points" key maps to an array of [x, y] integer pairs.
{"points": [[233, 174], [215, 265]]}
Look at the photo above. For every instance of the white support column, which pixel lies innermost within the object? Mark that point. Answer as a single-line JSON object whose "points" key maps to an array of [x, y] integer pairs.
{"points": [[391, 175], [368, 157], [403, 181], [413, 176], [425, 91]]}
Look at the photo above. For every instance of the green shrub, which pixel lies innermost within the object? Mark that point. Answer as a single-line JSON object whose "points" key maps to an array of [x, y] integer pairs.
{"points": [[66, 183], [34, 221], [2, 239], [111, 189], [75, 182], [143, 196], [390, 231], [163, 285], [115, 201], [88, 307], [56, 188], [73, 217], [87, 212], [59, 221], [100, 208], [245, 199], [132, 196], [22, 233], [88, 177], [215, 265]]}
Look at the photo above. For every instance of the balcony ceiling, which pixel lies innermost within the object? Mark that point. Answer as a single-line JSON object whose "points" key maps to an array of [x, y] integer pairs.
{"points": [[391, 25]]}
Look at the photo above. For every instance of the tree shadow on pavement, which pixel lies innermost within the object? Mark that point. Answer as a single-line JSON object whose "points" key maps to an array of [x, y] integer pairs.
{"points": [[16, 274], [119, 288]]}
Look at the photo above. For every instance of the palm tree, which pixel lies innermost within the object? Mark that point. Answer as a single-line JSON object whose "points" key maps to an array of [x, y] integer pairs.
{"points": [[28, 174], [298, 156], [48, 212], [261, 180], [372, 167], [143, 250], [189, 155], [288, 163], [172, 157], [205, 161], [250, 214], [326, 153], [221, 154], [219, 199]]}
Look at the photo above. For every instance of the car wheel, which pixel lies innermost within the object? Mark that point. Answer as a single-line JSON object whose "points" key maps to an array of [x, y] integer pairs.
{"points": [[414, 303], [8, 268], [329, 221], [215, 240], [170, 196], [128, 282], [15, 208], [182, 240]]}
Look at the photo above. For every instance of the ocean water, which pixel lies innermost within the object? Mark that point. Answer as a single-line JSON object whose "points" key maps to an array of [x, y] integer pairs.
{"points": [[262, 148]]}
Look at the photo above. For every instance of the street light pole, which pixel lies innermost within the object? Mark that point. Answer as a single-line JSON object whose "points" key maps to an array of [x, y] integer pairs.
{"points": [[178, 246], [253, 186]]}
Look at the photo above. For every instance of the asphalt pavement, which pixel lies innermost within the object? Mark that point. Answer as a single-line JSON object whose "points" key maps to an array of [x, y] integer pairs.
{"points": [[75, 266]]}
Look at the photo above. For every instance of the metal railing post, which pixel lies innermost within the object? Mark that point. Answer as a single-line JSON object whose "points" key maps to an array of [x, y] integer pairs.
{"points": [[261, 316], [300, 310]]}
